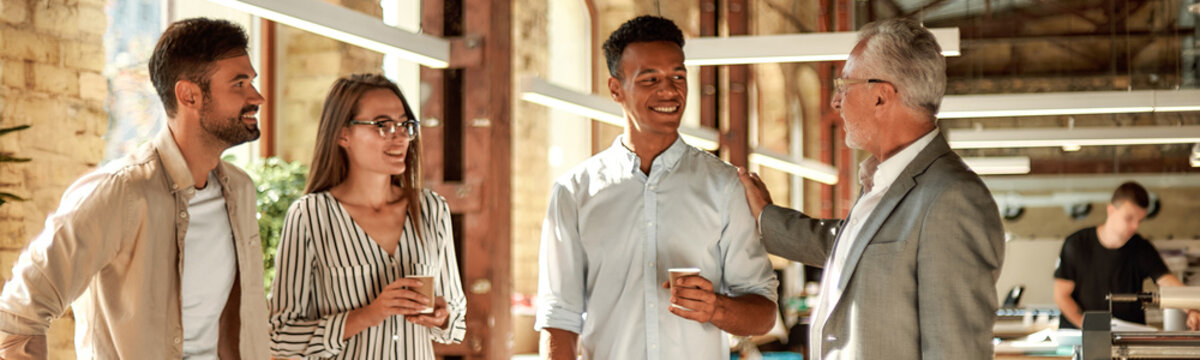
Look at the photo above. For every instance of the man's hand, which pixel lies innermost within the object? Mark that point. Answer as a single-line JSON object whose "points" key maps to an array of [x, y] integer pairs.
{"points": [[1193, 320], [746, 315], [437, 319], [756, 192], [696, 294]]}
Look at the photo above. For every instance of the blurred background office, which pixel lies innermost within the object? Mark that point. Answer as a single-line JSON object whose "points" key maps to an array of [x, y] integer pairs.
{"points": [[1056, 102]]}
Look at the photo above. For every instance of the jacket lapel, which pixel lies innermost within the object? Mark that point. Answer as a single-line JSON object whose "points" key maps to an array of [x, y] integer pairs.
{"points": [[903, 184]]}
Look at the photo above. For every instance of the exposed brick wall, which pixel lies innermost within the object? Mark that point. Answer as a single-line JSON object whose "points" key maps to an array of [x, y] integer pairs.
{"points": [[50, 79], [307, 65]]}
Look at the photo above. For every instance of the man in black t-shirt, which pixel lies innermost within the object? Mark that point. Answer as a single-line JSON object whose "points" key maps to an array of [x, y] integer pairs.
{"points": [[1110, 259]]}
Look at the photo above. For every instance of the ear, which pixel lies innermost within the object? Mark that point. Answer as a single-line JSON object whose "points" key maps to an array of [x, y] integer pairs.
{"points": [[344, 137], [885, 96], [614, 87], [188, 95]]}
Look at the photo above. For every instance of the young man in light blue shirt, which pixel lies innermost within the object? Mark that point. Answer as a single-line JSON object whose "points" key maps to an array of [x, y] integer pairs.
{"points": [[620, 220]]}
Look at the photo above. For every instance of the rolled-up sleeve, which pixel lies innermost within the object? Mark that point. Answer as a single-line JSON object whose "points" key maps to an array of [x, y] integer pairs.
{"points": [[296, 330], [747, 269], [451, 286], [562, 266], [92, 222]]}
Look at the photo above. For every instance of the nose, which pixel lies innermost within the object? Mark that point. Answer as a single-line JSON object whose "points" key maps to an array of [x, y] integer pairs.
{"points": [[256, 97], [836, 101]]}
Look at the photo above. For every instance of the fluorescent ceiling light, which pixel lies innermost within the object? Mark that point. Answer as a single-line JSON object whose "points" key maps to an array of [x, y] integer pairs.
{"points": [[1099, 136], [349, 26], [1081, 182], [539, 91], [1057, 199], [789, 48], [1001, 165], [810, 169], [1067, 103]]}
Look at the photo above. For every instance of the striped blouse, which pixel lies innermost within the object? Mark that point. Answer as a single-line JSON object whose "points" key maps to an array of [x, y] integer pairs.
{"points": [[326, 266]]}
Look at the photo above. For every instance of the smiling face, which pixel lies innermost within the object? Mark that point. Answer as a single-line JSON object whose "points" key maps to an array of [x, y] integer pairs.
{"points": [[365, 148], [230, 111], [652, 89]]}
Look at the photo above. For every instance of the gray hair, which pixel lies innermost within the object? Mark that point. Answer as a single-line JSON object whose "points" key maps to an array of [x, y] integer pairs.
{"points": [[906, 54]]}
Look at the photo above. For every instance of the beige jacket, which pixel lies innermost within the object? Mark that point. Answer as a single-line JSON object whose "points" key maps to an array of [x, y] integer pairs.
{"points": [[115, 247]]}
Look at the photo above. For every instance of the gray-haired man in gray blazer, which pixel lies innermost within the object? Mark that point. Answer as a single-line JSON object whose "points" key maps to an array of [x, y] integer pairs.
{"points": [[911, 272]]}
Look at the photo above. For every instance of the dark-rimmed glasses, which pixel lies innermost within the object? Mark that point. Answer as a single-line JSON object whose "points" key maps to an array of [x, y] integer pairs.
{"points": [[840, 84], [387, 128]]}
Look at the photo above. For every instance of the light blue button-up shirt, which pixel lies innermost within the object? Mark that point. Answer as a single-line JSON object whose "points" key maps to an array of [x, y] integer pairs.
{"points": [[610, 234]]}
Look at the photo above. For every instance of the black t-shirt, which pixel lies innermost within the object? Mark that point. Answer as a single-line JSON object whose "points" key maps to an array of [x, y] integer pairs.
{"points": [[1098, 271]]}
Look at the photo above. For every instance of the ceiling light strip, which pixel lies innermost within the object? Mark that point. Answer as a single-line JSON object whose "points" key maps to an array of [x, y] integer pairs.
{"points": [[1069, 103], [1056, 137], [809, 47], [349, 26], [999, 165]]}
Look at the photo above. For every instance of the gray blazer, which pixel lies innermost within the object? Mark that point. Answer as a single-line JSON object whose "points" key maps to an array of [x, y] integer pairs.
{"points": [[923, 287]]}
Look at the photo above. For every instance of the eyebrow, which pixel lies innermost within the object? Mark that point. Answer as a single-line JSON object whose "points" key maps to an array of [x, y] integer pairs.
{"points": [[242, 76], [647, 71], [385, 117]]}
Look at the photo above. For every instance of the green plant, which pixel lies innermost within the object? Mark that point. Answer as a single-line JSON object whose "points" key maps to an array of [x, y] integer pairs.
{"points": [[279, 184], [6, 157]]}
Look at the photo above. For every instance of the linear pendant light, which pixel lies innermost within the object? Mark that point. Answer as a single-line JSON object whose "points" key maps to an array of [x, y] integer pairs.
{"points": [[1069, 103], [539, 91], [1059, 137], [704, 51], [998, 165], [349, 26]]}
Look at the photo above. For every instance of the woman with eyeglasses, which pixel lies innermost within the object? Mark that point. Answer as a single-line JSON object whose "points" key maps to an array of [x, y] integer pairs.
{"points": [[343, 286]]}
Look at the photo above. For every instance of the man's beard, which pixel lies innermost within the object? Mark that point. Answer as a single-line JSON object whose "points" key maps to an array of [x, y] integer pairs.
{"points": [[231, 130]]}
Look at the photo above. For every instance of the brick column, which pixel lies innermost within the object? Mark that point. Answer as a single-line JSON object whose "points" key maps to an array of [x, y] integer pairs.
{"points": [[50, 79]]}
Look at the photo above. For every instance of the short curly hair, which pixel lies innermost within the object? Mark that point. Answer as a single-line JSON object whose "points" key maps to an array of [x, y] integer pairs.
{"points": [[645, 28], [187, 51]]}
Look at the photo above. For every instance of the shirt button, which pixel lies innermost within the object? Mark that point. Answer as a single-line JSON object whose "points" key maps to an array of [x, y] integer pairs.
{"points": [[177, 340], [649, 223], [830, 338], [651, 264], [183, 214]]}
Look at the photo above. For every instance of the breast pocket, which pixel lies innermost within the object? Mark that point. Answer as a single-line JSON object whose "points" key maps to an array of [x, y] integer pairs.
{"points": [[876, 248], [358, 282]]}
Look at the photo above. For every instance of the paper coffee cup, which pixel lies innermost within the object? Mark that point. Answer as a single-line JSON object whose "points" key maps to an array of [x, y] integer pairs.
{"points": [[677, 273], [426, 289]]}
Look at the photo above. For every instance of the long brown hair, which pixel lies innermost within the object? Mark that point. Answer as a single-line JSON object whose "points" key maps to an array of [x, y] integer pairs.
{"points": [[330, 163]]}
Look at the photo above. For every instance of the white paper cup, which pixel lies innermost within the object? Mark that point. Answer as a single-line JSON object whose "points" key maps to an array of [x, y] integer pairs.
{"points": [[677, 273]]}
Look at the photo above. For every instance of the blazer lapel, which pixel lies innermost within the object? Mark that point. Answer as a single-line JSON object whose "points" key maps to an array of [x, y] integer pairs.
{"points": [[903, 184]]}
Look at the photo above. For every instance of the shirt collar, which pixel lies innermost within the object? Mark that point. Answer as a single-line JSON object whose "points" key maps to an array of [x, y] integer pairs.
{"points": [[178, 173], [873, 173], [668, 159]]}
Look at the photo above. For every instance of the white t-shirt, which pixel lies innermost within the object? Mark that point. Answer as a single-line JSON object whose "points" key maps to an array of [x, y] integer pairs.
{"points": [[209, 267]]}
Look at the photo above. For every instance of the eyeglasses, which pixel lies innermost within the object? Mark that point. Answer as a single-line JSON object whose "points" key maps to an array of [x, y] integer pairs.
{"points": [[840, 84], [387, 128]]}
